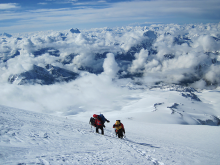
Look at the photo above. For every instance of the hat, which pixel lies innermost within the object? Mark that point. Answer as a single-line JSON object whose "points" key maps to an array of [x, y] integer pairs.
{"points": [[117, 122]]}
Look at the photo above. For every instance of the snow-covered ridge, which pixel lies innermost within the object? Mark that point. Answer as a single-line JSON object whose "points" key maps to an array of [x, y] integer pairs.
{"points": [[183, 104], [44, 76]]}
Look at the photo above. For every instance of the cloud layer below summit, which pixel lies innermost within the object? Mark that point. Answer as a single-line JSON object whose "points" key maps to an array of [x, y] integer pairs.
{"points": [[181, 52]]}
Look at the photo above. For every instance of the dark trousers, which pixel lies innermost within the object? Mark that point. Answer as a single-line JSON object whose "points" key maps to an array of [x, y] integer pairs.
{"points": [[119, 133], [99, 127]]}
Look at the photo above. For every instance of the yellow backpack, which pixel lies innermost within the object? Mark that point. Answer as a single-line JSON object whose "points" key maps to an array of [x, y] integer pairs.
{"points": [[118, 125]]}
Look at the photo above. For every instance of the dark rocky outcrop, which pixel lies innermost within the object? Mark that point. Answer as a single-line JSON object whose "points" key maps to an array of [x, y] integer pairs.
{"points": [[51, 51], [44, 76], [75, 30]]}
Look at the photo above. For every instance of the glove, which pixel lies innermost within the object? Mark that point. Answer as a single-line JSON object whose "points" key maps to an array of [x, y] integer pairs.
{"points": [[108, 121], [103, 125]]}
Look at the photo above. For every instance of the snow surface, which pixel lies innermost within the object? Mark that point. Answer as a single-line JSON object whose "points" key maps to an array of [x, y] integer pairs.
{"points": [[35, 138]]}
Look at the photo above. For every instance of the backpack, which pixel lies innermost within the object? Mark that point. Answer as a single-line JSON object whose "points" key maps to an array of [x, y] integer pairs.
{"points": [[102, 118], [92, 121]]}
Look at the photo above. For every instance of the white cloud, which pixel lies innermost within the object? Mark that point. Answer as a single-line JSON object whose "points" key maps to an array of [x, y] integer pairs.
{"points": [[42, 3], [201, 84], [101, 1], [213, 75], [140, 61], [208, 43], [110, 66], [99, 92], [6, 6]]}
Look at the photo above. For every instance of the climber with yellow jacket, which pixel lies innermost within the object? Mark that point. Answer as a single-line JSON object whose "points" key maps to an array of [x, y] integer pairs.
{"points": [[119, 129]]}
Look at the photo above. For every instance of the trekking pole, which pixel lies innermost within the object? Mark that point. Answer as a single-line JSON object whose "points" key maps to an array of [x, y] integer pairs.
{"points": [[91, 126]]}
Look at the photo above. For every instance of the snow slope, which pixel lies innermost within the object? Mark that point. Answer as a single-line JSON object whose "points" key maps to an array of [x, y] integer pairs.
{"points": [[35, 138]]}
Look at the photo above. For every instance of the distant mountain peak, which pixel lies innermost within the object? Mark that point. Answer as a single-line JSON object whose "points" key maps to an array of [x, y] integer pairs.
{"points": [[5, 35], [44, 76], [75, 30]]}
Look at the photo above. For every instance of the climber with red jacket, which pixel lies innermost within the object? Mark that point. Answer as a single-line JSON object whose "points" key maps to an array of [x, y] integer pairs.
{"points": [[99, 122], [119, 129]]}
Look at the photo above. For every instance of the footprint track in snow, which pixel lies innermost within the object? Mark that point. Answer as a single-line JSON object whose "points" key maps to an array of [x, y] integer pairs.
{"points": [[136, 148]]}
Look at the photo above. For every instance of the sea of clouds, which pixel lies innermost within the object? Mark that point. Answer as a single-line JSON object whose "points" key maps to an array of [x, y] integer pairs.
{"points": [[172, 54]]}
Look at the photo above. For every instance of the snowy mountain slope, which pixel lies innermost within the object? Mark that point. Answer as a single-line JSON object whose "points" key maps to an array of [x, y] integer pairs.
{"points": [[162, 104], [35, 138], [44, 76], [32, 138]]}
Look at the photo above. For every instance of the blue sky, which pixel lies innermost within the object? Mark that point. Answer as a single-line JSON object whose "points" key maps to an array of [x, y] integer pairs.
{"points": [[41, 15]]}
